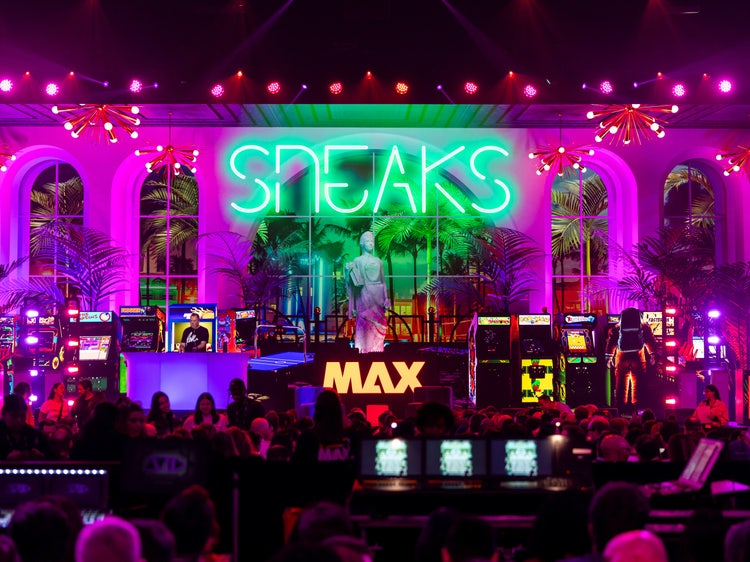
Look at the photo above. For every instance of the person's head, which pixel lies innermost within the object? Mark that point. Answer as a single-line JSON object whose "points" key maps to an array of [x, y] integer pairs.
{"points": [[14, 412], [191, 517], [322, 520], [647, 448], [711, 392], [737, 543], [328, 416], [85, 388], [131, 420], [57, 391], [195, 320], [349, 549], [367, 241], [434, 418], [41, 531], [205, 408], [237, 389], [470, 539], [615, 508], [614, 448], [545, 402], [111, 539], [159, 403], [635, 546], [431, 538], [157, 542], [22, 389], [8, 550], [261, 428]]}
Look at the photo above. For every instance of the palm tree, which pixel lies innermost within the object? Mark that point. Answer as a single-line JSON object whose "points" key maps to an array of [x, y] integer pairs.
{"points": [[50, 200], [701, 200]]}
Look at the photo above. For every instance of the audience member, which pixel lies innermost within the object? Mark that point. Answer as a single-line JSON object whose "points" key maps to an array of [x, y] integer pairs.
{"points": [[110, 540], [635, 546], [243, 410], [349, 549], [434, 419], [41, 532], [131, 421], [737, 543], [431, 539], [161, 415], [18, 440], [191, 517], [260, 436], [8, 550], [157, 542], [55, 408], [470, 539], [99, 440], [613, 448], [205, 413], [23, 389], [83, 408], [703, 538], [325, 441]]}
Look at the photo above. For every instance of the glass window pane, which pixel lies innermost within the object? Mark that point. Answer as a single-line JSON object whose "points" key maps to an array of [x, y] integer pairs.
{"points": [[153, 246]]}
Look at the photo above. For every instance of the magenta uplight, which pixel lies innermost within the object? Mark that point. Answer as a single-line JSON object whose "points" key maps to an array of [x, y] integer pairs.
{"points": [[529, 91], [136, 86], [606, 87], [52, 89], [217, 91], [471, 88], [725, 86], [6, 85], [679, 90]]}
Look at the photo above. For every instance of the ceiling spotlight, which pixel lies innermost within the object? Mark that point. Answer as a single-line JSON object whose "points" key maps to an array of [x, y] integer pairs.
{"points": [[402, 88], [678, 90], [725, 86], [6, 85], [529, 91], [239, 74], [52, 89], [606, 87], [471, 88], [273, 88], [217, 91], [136, 86], [336, 88], [368, 75]]}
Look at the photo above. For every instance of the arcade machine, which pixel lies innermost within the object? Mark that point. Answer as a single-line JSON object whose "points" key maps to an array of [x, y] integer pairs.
{"points": [[490, 378], [142, 328], [609, 372], [663, 379], [584, 374], [179, 320], [39, 352], [537, 357], [235, 331], [8, 342], [94, 339]]}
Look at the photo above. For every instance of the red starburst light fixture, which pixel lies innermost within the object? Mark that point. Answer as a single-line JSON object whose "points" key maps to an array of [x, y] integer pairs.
{"points": [[736, 160], [336, 88], [97, 118], [471, 88], [273, 88], [556, 157], [402, 88], [629, 122], [5, 156], [169, 157]]}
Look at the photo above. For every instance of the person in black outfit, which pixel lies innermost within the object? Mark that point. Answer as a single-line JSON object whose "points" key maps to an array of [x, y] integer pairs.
{"points": [[194, 338], [243, 410], [18, 440], [84, 405]]}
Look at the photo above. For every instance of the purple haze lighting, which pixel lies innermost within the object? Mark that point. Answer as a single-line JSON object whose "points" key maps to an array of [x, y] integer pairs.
{"points": [[679, 90], [33, 372], [529, 91], [713, 313], [725, 86], [471, 88], [52, 89], [136, 86], [606, 87], [6, 85], [217, 91], [32, 314], [713, 340]]}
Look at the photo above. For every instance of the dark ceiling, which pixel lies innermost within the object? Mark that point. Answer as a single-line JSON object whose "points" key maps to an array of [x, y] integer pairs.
{"points": [[186, 46]]}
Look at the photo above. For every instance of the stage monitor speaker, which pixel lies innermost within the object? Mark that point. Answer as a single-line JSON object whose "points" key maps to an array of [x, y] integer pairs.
{"points": [[441, 394]]}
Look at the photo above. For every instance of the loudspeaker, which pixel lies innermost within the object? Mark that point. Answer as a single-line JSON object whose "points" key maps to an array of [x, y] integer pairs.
{"points": [[441, 394]]}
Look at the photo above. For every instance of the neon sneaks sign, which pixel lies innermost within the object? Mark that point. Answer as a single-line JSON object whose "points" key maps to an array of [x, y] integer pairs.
{"points": [[408, 175]]}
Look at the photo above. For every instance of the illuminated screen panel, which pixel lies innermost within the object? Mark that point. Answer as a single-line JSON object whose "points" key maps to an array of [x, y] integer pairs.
{"points": [[455, 458], [536, 379], [520, 458], [654, 320], [391, 458], [577, 341], [94, 348]]}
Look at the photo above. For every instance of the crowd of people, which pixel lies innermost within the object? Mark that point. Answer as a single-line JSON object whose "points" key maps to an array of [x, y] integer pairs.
{"points": [[609, 526]]}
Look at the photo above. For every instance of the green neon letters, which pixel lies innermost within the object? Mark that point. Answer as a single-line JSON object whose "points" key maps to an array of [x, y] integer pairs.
{"points": [[324, 172]]}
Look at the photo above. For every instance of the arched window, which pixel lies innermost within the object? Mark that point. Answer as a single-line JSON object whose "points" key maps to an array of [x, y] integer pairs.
{"points": [[168, 232], [690, 204], [56, 195], [580, 231]]}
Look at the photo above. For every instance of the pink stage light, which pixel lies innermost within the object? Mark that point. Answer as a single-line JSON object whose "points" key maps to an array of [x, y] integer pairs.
{"points": [[402, 88], [6, 85], [606, 87], [217, 91], [335, 88], [471, 88], [136, 86], [273, 88], [52, 89], [529, 91], [725, 86], [679, 90]]}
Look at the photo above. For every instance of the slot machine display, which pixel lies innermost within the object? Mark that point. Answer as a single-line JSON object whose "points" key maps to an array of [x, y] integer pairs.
{"points": [[537, 356], [493, 382], [94, 353], [142, 328], [584, 373]]}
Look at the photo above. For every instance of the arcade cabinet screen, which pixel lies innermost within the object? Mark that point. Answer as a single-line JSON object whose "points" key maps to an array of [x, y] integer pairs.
{"points": [[520, 458], [577, 341], [94, 348], [455, 457], [654, 320], [140, 340], [390, 458]]}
